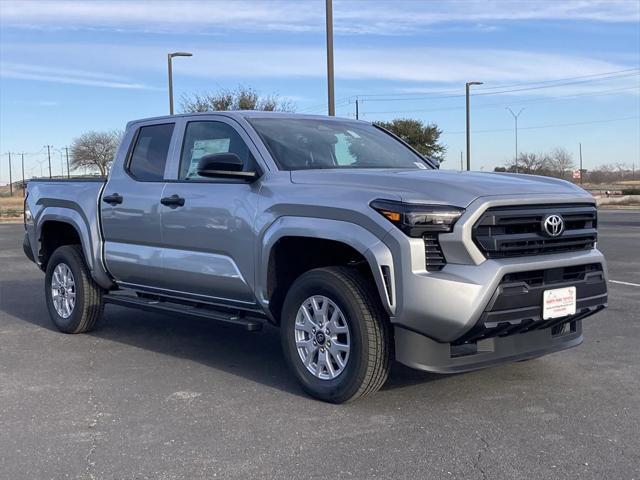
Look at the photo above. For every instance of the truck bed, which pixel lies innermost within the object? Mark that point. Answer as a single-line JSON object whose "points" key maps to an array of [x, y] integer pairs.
{"points": [[74, 201], [78, 193]]}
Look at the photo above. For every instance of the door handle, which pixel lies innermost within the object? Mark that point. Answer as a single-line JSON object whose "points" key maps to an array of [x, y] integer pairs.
{"points": [[113, 199], [172, 201]]}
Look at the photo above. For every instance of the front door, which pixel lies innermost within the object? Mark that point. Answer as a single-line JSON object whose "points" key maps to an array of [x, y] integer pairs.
{"points": [[208, 242], [130, 209]]}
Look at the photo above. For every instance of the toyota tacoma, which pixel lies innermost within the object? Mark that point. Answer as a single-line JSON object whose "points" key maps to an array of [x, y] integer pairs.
{"points": [[355, 245]]}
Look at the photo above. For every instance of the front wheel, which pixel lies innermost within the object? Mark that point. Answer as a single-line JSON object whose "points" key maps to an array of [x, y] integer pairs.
{"points": [[74, 300], [335, 334]]}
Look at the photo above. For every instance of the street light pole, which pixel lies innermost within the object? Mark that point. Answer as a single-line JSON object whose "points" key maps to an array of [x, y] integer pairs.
{"points": [[515, 117], [61, 164], [10, 178], [467, 85], [49, 158], [24, 185], [170, 71], [581, 171], [330, 85], [66, 149]]}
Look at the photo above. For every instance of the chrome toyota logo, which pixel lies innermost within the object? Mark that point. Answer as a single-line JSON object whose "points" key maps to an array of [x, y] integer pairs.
{"points": [[553, 225]]}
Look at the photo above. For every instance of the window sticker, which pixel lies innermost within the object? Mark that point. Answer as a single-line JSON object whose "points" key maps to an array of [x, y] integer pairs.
{"points": [[205, 147], [420, 165]]}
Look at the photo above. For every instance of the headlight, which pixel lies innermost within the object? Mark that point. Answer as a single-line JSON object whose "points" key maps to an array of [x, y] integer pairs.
{"points": [[416, 220]]}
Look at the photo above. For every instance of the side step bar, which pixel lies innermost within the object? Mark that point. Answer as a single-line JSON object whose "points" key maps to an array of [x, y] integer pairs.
{"points": [[250, 324]]}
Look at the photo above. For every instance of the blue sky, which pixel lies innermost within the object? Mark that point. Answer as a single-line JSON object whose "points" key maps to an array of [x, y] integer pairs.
{"points": [[67, 67]]}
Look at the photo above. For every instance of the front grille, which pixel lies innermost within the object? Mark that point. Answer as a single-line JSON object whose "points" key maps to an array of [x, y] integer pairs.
{"points": [[434, 258], [517, 230], [538, 278], [516, 305]]}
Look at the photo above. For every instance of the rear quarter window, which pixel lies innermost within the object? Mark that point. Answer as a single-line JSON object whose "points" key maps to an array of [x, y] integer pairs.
{"points": [[150, 151]]}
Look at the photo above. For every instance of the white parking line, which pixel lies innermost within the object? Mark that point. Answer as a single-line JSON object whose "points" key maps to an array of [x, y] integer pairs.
{"points": [[625, 283]]}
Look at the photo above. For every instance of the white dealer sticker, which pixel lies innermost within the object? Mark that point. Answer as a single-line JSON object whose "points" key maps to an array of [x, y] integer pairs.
{"points": [[559, 302]]}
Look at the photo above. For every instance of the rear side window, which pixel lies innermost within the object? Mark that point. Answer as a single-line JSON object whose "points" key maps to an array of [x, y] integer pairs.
{"points": [[149, 155]]}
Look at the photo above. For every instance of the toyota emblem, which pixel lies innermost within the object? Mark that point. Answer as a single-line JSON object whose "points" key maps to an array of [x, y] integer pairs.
{"points": [[553, 225]]}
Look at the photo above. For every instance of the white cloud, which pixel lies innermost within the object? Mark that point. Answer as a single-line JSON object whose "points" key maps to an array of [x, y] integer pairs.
{"points": [[37, 103], [443, 65], [106, 65], [67, 76], [350, 17]]}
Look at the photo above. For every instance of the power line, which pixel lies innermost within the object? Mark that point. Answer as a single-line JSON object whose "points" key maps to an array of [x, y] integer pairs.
{"points": [[547, 126], [31, 154], [593, 75], [484, 88], [495, 90], [502, 104], [498, 92], [576, 82], [339, 102]]}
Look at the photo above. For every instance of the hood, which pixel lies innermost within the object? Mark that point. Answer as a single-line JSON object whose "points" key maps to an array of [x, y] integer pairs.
{"points": [[440, 186]]}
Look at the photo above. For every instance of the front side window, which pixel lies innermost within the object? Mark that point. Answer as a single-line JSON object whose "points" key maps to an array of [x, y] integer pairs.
{"points": [[306, 143], [207, 137], [149, 155]]}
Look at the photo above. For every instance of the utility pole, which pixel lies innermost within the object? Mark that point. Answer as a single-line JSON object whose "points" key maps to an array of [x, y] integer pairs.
{"points": [[170, 71], [49, 158], [10, 178], [24, 185], [66, 149], [357, 110], [467, 85], [330, 84], [581, 171], [461, 162], [515, 117]]}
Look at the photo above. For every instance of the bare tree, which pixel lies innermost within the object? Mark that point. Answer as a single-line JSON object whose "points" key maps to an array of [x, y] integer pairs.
{"points": [[532, 163], [561, 162], [95, 150], [602, 174], [621, 169], [242, 98]]}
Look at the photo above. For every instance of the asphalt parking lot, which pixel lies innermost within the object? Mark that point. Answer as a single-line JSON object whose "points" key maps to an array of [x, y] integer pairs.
{"points": [[156, 397]]}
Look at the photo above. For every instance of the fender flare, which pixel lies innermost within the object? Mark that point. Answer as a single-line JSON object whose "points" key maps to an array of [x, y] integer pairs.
{"points": [[376, 253], [91, 247]]}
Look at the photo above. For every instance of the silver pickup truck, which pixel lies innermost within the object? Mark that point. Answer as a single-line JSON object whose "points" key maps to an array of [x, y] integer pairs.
{"points": [[354, 244]]}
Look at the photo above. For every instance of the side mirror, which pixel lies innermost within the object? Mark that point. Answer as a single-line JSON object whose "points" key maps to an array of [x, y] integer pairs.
{"points": [[224, 165]]}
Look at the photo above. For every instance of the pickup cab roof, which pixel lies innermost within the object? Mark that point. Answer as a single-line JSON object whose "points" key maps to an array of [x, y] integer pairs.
{"points": [[241, 114]]}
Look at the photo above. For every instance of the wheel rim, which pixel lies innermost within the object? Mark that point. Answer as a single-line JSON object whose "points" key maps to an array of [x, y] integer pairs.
{"points": [[323, 340], [63, 290]]}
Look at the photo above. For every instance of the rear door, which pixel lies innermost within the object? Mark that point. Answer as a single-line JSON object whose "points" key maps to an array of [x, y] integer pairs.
{"points": [[131, 208], [208, 239]]}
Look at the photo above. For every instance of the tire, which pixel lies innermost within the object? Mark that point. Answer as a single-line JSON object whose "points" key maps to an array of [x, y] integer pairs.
{"points": [[367, 361], [87, 307]]}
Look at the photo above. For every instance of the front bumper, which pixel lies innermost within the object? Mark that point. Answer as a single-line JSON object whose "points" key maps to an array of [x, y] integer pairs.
{"points": [[422, 353], [476, 312], [447, 305]]}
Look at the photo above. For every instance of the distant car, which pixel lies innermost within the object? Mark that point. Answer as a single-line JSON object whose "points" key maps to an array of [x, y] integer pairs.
{"points": [[336, 231]]}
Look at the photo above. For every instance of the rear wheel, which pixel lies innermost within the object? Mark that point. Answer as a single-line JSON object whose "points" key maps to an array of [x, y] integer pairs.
{"points": [[335, 334], [74, 300]]}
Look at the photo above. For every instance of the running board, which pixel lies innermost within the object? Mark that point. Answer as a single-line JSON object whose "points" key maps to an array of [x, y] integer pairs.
{"points": [[250, 324]]}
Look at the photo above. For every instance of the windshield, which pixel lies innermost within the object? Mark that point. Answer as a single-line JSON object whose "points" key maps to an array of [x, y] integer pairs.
{"points": [[303, 143]]}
